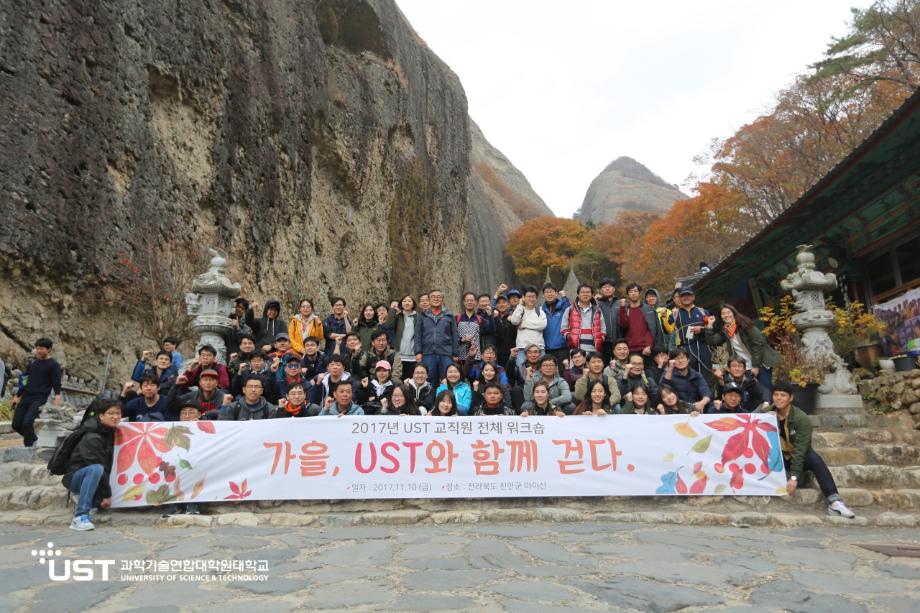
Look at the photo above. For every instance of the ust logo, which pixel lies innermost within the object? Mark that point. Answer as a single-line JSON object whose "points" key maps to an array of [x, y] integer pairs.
{"points": [[75, 570]]}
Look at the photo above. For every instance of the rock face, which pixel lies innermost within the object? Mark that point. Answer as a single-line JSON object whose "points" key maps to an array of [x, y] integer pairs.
{"points": [[626, 185], [501, 199], [321, 144]]}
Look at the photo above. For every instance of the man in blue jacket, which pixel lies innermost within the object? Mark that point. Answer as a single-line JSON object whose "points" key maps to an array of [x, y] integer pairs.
{"points": [[555, 306], [437, 342], [691, 326]]}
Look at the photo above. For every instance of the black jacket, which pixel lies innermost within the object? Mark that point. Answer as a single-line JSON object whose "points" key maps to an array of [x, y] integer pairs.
{"points": [[95, 447], [263, 328], [315, 367], [505, 334], [753, 394], [424, 396]]}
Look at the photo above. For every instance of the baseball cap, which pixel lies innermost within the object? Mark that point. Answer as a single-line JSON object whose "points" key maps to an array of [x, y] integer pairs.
{"points": [[209, 372]]}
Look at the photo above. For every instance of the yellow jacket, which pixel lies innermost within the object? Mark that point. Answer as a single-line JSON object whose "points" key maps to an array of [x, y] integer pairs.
{"points": [[667, 319], [314, 328]]}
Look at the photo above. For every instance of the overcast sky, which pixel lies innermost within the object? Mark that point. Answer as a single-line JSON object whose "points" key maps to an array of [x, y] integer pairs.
{"points": [[564, 88]]}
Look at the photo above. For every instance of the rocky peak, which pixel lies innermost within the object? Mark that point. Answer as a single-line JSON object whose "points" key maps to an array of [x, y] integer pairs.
{"points": [[626, 185]]}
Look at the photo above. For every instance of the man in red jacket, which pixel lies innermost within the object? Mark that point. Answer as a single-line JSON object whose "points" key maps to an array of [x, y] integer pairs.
{"points": [[207, 359]]}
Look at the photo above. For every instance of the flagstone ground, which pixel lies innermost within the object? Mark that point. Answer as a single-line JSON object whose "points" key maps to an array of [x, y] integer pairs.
{"points": [[530, 567]]}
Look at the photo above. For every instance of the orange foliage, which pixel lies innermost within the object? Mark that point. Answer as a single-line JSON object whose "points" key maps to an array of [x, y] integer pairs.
{"points": [[621, 240], [545, 241], [701, 228], [768, 164]]}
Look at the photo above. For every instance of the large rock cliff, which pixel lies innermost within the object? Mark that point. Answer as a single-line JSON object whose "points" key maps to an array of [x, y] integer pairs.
{"points": [[501, 199], [321, 144], [626, 185]]}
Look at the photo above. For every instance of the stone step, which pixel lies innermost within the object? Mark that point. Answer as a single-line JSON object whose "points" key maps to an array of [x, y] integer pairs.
{"points": [[897, 498], [899, 420], [489, 515], [26, 473], [876, 476], [32, 497], [889, 454], [809, 494], [52, 495], [860, 436], [839, 422], [877, 500], [38, 455], [839, 411]]}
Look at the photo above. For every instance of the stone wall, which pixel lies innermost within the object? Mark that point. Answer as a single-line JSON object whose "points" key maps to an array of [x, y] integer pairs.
{"points": [[893, 391]]}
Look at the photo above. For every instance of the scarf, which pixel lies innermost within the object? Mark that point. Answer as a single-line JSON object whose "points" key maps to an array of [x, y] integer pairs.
{"points": [[785, 441], [292, 410], [731, 328]]}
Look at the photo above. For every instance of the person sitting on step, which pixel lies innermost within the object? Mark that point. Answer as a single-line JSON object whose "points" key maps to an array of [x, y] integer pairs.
{"points": [[795, 439], [90, 462]]}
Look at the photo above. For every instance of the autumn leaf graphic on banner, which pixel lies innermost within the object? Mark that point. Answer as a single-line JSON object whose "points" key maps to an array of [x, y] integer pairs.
{"points": [[747, 444], [703, 444], [239, 491], [671, 483], [178, 436], [684, 429], [141, 441], [205, 426]]}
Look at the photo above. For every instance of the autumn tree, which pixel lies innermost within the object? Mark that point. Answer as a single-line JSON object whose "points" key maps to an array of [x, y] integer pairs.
{"points": [[702, 228], [768, 164], [545, 242], [621, 240]]}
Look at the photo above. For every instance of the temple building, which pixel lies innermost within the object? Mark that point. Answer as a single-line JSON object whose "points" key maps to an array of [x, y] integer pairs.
{"points": [[863, 218]]}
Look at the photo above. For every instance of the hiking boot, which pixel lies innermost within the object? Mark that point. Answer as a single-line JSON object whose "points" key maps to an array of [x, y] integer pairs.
{"points": [[81, 522], [838, 508]]}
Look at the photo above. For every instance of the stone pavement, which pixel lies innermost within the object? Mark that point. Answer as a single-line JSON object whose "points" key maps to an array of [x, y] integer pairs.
{"points": [[528, 567]]}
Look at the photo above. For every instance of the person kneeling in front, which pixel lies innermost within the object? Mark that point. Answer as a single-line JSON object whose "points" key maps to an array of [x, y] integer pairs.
{"points": [[795, 439], [90, 463]]}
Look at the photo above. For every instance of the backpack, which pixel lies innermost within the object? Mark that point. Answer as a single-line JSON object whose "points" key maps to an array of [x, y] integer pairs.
{"points": [[60, 459]]}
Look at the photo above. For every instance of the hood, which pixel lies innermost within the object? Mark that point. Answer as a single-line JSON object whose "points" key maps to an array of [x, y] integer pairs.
{"points": [[271, 302], [415, 387], [652, 290]]}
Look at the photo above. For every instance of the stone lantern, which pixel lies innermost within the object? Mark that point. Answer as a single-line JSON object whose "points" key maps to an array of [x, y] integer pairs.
{"points": [[211, 303], [814, 320]]}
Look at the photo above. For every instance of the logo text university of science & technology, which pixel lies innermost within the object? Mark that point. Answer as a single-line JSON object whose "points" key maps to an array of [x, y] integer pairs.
{"points": [[72, 570]]}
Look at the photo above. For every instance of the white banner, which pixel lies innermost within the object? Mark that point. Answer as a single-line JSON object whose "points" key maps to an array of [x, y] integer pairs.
{"points": [[454, 457]]}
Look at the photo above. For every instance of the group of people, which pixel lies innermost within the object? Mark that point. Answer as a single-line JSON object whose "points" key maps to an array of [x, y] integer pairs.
{"points": [[501, 354]]}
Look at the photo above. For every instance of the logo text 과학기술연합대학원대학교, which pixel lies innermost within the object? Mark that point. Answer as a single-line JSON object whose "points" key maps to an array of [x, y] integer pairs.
{"points": [[60, 569]]}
